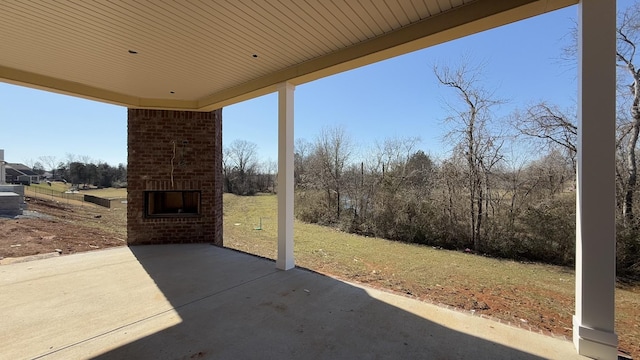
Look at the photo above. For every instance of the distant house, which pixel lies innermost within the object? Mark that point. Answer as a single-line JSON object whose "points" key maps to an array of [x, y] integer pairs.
{"points": [[20, 174]]}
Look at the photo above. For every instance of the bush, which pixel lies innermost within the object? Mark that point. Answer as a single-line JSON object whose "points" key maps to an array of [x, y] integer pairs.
{"points": [[310, 207], [628, 253], [549, 232]]}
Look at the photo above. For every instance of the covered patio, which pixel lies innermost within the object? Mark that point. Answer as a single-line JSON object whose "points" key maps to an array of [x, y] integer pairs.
{"points": [[165, 302], [175, 67]]}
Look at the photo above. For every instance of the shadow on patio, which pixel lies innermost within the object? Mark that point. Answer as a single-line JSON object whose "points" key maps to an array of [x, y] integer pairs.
{"points": [[200, 301]]}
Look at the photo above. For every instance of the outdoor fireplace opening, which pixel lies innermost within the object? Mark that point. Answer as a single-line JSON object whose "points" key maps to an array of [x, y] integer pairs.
{"points": [[172, 203]]}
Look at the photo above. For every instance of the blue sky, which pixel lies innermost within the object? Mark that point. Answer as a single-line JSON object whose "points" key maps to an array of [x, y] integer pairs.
{"points": [[399, 97]]}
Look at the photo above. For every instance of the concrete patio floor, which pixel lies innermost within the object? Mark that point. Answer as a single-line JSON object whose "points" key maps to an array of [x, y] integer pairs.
{"points": [[204, 302]]}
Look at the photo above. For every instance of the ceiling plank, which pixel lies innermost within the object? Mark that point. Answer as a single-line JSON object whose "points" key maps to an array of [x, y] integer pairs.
{"points": [[468, 19]]}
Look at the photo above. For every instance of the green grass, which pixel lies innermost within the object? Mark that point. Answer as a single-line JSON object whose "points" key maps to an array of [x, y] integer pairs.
{"points": [[536, 295]]}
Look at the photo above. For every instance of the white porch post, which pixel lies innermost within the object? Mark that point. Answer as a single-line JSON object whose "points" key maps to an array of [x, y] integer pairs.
{"points": [[593, 323], [285, 259]]}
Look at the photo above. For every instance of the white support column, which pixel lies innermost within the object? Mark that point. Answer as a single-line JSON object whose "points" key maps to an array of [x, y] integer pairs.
{"points": [[593, 323], [285, 259]]}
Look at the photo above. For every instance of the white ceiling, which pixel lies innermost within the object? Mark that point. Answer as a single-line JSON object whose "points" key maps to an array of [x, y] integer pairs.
{"points": [[199, 54]]}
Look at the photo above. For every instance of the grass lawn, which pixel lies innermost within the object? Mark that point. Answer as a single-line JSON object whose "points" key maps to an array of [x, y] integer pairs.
{"points": [[107, 193], [536, 296], [55, 186]]}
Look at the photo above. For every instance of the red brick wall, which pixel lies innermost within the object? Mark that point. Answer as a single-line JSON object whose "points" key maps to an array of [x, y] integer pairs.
{"points": [[197, 166]]}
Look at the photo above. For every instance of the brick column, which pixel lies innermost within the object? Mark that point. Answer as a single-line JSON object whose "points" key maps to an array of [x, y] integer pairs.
{"points": [[174, 151]]}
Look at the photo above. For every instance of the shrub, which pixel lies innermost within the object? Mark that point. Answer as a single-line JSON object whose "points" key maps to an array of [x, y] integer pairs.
{"points": [[549, 232]]}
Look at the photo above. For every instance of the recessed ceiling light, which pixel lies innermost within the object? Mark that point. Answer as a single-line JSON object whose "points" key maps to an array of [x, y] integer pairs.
{"points": [[255, 55], [132, 52]]}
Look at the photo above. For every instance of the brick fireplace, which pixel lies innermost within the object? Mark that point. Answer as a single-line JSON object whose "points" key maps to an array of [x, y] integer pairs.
{"points": [[174, 177]]}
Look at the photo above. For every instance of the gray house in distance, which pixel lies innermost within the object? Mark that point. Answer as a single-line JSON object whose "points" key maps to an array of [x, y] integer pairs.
{"points": [[16, 173]]}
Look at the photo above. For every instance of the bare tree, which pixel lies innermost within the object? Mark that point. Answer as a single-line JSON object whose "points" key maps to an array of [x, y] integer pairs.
{"points": [[471, 133], [392, 157], [226, 170], [240, 161], [550, 172], [554, 127], [451, 178], [85, 159], [302, 151], [71, 158], [51, 163], [515, 183], [628, 35], [270, 169], [333, 150], [29, 162], [391, 190], [243, 154], [38, 168]]}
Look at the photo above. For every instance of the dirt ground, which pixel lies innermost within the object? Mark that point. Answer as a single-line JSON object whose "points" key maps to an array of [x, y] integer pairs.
{"points": [[50, 226]]}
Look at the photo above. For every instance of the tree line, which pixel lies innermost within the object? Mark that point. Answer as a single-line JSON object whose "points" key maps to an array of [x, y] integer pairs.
{"points": [[473, 200], [243, 173], [81, 170], [488, 195]]}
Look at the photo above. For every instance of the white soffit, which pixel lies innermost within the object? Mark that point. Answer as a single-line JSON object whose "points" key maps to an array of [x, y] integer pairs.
{"points": [[199, 54]]}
